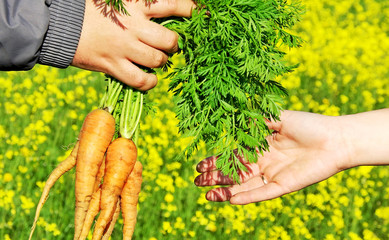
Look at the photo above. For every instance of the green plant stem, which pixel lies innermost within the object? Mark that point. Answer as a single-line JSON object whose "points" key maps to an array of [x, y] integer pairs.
{"points": [[131, 112], [111, 95]]}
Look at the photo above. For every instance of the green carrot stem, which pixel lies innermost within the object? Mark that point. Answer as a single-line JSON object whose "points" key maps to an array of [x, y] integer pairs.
{"points": [[131, 112], [111, 95]]}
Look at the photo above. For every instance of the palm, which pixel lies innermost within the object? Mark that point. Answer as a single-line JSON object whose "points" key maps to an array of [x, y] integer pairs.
{"points": [[304, 149]]}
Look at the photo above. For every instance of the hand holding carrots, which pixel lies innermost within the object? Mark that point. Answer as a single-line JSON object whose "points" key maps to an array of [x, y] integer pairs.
{"points": [[115, 43], [137, 41]]}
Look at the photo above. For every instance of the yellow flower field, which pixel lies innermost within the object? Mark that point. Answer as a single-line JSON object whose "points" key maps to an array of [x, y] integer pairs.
{"points": [[344, 69]]}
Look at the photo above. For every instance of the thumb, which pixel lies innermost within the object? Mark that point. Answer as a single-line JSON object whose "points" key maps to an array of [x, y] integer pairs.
{"points": [[266, 192]]}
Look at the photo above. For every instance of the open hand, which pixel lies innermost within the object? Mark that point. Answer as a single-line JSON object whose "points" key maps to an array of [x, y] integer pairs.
{"points": [[305, 148], [115, 43]]}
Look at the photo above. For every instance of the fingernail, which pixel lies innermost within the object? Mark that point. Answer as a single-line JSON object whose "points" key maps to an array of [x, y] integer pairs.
{"points": [[197, 181], [210, 196], [198, 167]]}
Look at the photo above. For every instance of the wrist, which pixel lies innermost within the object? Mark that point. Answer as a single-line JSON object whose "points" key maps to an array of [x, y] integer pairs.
{"points": [[63, 34], [366, 138], [347, 129]]}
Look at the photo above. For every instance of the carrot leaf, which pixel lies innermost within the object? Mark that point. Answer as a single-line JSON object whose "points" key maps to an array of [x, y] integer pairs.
{"points": [[234, 51]]}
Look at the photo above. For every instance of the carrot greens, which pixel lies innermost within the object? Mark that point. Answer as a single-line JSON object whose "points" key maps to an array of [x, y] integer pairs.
{"points": [[226, 90]]}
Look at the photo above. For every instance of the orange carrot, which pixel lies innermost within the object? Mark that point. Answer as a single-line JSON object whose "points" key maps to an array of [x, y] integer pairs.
{"points": [[94, 205], [99, 176], [129, 199], [111, 225], [95, 136], [120, 160], [61, 169], [93, 210]]}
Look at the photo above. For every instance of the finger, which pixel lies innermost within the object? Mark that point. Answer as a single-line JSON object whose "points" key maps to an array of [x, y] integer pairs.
{"points": [[218, 178], [277, 125], [273, 124], [147, 56], [158, 37], [249, 185], [219, 194], [167, 8], [207, 165], [225, 193], [213, 178], [131, 75], [266, 192]]}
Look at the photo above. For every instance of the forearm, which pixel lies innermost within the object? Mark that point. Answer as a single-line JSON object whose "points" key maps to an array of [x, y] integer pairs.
{"points": [[23, 25], [63, 34], [367, 137], [39, 31]]}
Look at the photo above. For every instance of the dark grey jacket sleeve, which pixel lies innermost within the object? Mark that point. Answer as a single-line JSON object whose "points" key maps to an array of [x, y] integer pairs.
{"points": [[39, 31]]}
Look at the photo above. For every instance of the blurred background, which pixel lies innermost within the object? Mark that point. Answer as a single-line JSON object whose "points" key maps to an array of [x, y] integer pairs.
{"points": [[344, 69]]}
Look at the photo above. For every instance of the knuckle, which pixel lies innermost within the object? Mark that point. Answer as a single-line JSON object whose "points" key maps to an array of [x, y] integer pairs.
{"points": [[146, 82], [139, 82], [159, 59], [171, 5], [171, 41], [153, 82]]}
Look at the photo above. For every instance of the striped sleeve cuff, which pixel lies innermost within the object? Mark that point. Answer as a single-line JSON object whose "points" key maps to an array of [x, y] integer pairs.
{"points": [[62, 37]]}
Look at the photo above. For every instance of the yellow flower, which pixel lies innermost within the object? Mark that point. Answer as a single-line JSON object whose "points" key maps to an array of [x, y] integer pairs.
{"points": [[344, 200], [367, 234], [22, 169], [7, 177], [358, 201], [354, 236], [180, 182], [173, 166], [47, 116], [329, 237], [358, 213], [202, 200], [383, 213], [3, 132], [171, 208], [166, 227], [27, 203], [79, 91], [52, 227], [9, 154], [41, 139], [343, 99], [72, 114], [41, 185], [179, 224], [192, 233], [337, 221], [25, 152], [166, 182], [211, 227], [169, 197]]}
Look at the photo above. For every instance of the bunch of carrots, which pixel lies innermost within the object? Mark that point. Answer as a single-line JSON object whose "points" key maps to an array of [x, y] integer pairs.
{"points": [[108, 175]]}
